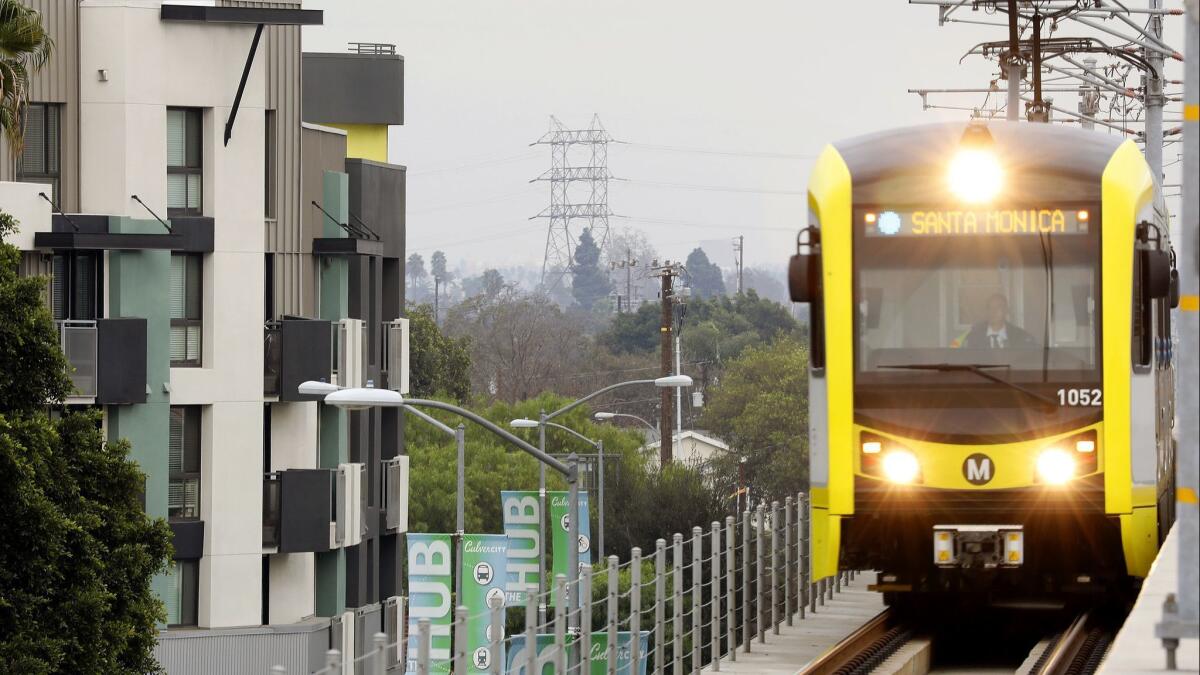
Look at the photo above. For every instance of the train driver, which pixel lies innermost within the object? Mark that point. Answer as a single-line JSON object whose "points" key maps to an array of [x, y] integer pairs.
{"points": [[996, 331]]}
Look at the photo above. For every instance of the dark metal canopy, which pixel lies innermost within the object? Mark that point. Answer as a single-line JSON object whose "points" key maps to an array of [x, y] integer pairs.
{"points": [[270, 16]]}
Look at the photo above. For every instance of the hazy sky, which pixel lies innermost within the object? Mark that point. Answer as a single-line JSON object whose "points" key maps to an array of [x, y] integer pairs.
{"points": [[746, 79]]}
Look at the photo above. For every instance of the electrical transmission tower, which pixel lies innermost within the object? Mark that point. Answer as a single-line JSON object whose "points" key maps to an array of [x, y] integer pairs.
{"points": [[578, 178]]}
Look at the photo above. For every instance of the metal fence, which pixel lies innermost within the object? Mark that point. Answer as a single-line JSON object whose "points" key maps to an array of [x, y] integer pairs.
{"points": [[701, 599]]}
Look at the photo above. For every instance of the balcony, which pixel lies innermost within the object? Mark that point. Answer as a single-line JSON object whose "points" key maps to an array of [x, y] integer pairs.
{"points": [[295, 350], [107, 359], [395, 494], [396, 354], [299, 510]]}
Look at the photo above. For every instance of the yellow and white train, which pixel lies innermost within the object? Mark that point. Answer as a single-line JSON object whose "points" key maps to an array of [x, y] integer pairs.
{"points": [[991, 389]]}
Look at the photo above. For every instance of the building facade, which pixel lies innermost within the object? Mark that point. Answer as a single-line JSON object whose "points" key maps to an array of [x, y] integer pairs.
{"points": [[207, 249]]}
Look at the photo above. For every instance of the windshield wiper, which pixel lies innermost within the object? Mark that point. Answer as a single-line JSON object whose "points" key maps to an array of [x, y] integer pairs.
{"points": [[980, 370]]}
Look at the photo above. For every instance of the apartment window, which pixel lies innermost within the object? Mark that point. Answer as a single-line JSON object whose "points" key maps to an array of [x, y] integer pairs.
{"points": [[75, 286], [269, 164], [186, 305], [183, 458], [184, 593], [39, 158], [185, 168]]}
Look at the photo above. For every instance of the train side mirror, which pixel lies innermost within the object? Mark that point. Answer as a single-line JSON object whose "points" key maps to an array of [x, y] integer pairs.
{"points": [[1173, 297], [804, 277], [1156, 274]]}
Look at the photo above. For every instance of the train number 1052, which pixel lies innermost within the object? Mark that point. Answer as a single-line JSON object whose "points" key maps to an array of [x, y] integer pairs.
{"points": [[1080, 397]]}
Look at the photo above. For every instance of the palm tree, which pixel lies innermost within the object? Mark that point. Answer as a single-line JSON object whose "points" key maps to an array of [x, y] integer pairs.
{"points": [[24, 48]]}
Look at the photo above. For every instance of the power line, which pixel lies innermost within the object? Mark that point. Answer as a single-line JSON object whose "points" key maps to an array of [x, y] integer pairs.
{"points": [[714, 151], [711, 188], [476, 202], [507, 231], [493, 161], [716, 226]]}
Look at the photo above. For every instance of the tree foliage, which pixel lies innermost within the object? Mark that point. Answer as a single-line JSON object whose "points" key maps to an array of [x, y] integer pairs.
{"points": [[589, 283], [704, 276], [437, 266], [438, 364], [76, 565], [760, 408], [25, 46]]}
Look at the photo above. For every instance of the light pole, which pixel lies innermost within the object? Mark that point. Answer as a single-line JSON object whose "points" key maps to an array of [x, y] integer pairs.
{"points": [[459, 434], [668, 381], [604, 416], [598, 445], [364, 398]]}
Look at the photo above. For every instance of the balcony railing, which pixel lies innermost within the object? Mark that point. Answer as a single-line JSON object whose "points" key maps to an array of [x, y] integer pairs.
{"points": [[78, 341], [295, 349], [272, 510], [272, 357]]}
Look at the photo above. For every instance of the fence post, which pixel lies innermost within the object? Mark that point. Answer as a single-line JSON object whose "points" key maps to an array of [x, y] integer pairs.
{"points": [[731, 587], [714, 594], [788, 510], [837, 582], [560, 624], [747, 637], [775, 567], [379, 640], [531, 630], [677, 602], [586, 577], [801, 554], [759, 574], [614, 587], [660, 601], [460, 639], [697, 579], [635, 609], [422, 646], [497, 639]]}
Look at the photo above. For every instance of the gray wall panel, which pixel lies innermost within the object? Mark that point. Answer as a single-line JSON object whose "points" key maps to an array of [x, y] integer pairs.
{"points": [[57, 82], [354, 88], [296, 647]]}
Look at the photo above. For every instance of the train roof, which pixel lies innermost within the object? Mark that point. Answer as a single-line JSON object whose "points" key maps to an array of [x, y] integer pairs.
{"points": [[1022, 146]]}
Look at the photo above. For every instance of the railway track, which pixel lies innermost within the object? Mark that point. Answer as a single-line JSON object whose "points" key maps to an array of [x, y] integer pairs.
{"points": [[890, 644]]}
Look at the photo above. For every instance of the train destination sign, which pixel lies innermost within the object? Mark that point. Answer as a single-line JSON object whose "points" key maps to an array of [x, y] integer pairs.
{"points": [[952, 222]]}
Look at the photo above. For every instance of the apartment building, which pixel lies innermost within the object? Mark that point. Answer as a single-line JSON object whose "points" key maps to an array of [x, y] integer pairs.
{"points": [[209, 245]]}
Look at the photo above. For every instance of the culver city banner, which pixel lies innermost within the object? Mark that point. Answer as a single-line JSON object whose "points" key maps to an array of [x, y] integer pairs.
{"points": [[598, 657], [520, 511], [560, 524], [430, 585], [483, 569]]}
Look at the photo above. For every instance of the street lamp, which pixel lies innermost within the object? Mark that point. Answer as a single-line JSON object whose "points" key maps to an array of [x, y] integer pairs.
{"points": [[523, 423], [605, 416], [459, 433], [668, 381]]}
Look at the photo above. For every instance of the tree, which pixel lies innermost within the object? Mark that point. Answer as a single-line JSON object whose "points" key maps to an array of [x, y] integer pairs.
{"points": [[438, 365], [416, 275], [704, 276], [760, 408], [489, 284], [589, 283], [75, 572], [24, 49], [437, 265]]}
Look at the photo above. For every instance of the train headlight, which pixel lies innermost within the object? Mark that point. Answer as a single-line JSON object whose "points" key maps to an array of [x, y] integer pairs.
{"points": [[975, 175], [901, 466], [1055, 466]]}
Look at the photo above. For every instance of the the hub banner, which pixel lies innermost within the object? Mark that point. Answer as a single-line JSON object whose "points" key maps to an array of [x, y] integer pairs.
{"points": [[560, 524], [483, 573], [430, 587], [520, 512], [518, 658]]}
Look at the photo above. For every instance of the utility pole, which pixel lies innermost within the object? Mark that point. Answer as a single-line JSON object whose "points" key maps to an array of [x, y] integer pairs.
{"points": [[667, 273], [1039, 110], [437, 284], [1089, 98], [627, 264], [739, 259], [1013, 64], [1181, 611], [1154, 99]]}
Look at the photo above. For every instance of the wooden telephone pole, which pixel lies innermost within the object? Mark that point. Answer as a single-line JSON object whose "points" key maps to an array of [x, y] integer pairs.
{"points": [[667, 272]]}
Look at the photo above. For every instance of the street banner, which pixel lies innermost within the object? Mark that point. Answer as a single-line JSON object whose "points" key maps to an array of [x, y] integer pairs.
{"points": [[430, 587], [517, 658], [483, 573], [519, 511], [560, 524]]}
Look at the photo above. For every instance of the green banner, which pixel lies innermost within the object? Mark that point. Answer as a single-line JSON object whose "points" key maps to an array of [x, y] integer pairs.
{"points": [[520, 509], [598, 664], [483, 573], [560, 524], [430, 587]]}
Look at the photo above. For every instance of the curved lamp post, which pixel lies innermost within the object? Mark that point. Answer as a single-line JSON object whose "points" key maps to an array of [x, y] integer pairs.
{"points": [[368, 397], [543, 418], [605, 416]]}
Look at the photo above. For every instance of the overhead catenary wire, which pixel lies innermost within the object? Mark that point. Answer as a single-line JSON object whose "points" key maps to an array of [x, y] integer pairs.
{"points": [[713, 151]]}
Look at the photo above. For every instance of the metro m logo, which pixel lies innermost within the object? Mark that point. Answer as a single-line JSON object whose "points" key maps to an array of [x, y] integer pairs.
{"points": [[978, 469]]}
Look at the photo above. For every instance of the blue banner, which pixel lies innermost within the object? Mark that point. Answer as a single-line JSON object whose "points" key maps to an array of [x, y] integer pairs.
{"points": [[430, 593]]}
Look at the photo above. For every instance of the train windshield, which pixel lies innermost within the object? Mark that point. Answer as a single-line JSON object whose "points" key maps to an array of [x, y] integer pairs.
{"points": [[971, 312]]}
